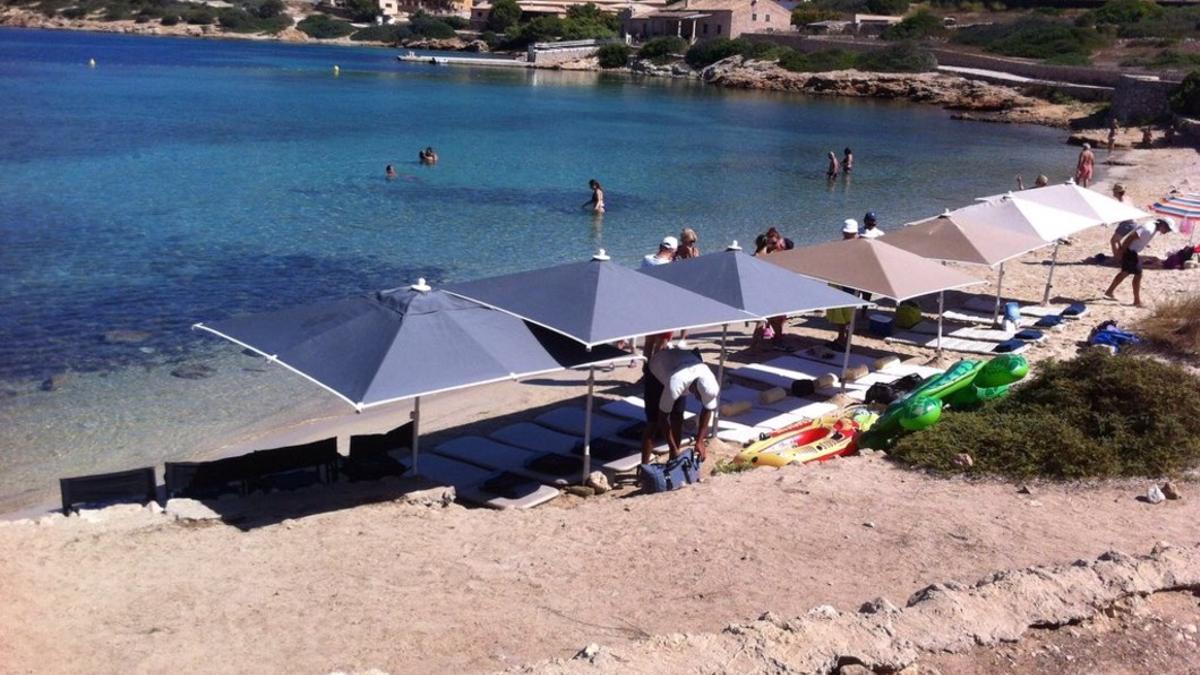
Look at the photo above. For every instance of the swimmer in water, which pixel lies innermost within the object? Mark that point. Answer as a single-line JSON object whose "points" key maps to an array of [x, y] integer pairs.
{"points": [[427, 156], [390, 171], [596, 203]]}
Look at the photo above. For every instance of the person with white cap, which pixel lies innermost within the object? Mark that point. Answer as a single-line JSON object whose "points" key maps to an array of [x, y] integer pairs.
{"points": [[666, 253], [1129, 255], [849, 229]]}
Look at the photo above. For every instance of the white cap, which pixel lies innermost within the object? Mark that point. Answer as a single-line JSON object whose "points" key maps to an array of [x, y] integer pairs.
{"points": [[670, 243], [734, 246], [601, 256], [850, 225], [1169, 222]]}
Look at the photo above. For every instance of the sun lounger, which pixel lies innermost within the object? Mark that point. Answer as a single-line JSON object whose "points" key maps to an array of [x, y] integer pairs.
{"points": [[813, 369], [982, 334], [204, 480], [606, 453], [294, 466], [135, 486], [545, 467], [735, 393], [834, 357], [485, 487], [1074, 310], [370, 455], [633, 408], [570, 420], [958, 344], [972, 317]]}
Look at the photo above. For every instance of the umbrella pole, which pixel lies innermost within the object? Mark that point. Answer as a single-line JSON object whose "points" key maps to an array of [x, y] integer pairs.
{"points": [[999, 287], [846, 355], [587, 427], [416, 431], [1050, 277], [720, 379], [941, 311]]}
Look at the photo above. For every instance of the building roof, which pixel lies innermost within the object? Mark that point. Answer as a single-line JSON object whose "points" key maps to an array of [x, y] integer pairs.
{"points": [[718, 5]]}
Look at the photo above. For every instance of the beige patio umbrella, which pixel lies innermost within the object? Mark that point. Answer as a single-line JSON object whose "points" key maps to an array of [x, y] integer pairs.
{"points": [[1015, 213], [1080, 200], [875, 267], [945, 238]]}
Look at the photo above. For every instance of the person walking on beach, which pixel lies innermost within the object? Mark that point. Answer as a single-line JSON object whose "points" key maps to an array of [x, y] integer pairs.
{"points": [[666, 381], [596, 203], [847, 160], [687, 245], [1113, 128], [870, 227], [1085, 166], [832, 171], [1131, 262]]}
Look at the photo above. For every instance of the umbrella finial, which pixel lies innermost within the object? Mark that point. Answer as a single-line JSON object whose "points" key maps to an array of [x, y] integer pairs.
{"points": [[945, 213], [733, 246], [421, 286], [1070, 181], [601, 256]]}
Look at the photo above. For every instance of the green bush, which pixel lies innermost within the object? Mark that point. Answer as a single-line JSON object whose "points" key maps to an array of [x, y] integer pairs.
{"points": [[806, 14], [842, 6], [709, 52], [614, 55], [429, 27], [889, 7], [1034, 37], [582, 22], [201, 15], [390, 34], [322, 27], [1092, 416], [454, 21], [1186, 99], [662, 47], [919, 26], [905, 57], [1121, 12], [75, 12], [169, 20], [504, 15], [362, 11]]}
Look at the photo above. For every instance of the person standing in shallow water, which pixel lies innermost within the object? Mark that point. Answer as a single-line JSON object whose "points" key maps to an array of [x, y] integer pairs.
{"points": [[596, 203], [833, 170], [847, 161], [1085, 166]]}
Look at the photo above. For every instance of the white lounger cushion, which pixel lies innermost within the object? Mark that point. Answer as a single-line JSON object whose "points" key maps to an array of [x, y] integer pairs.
{"points": [[735, 393], [467, 480], [951, 343], [967, 316], [570, 420], [815, 354], [537, 438], [981, 304], [495, 455], [970, 332]]}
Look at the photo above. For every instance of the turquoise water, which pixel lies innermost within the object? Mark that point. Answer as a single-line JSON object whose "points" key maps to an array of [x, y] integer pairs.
{"points": [[185, 180]]}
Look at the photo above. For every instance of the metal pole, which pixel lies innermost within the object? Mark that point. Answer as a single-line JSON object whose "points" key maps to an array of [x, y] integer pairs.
{"points": [[849, 339], [1050, 277], [587, 426], [712, 433], [999, 286], [941, 308], [416, 433]]}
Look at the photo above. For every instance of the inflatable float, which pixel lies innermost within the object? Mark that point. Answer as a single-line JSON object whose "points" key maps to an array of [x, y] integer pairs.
{"points": [[815, 440], [965, 385]]}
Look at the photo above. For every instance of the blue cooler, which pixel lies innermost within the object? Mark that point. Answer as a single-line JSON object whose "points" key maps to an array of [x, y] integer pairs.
{"points": [[880, 325]]}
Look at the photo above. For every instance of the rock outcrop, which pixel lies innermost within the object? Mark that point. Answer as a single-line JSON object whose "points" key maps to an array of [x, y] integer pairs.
{"points": [[454, 44]]}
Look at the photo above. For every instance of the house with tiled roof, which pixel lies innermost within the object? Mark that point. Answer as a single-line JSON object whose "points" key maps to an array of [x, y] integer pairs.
{"points": [[696, 20]]}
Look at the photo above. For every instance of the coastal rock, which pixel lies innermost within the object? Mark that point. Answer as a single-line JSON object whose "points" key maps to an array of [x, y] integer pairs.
{"points": [[190, 510], [647, 67], [964, 460], [125, 337], [944, 90], [292, 34], [432, 44], [194, 371], [437, 496], [1155, 495], [478, 46], [598, 482], [1170, 491], [580, 490]]}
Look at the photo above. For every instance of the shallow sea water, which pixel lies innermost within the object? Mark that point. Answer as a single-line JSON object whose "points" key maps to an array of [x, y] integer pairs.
{"points": [[187, 180]]}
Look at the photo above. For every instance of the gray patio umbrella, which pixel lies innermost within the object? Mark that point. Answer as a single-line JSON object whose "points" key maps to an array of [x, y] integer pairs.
{"points": [[754, 286], [402, 344], [597, 302]]}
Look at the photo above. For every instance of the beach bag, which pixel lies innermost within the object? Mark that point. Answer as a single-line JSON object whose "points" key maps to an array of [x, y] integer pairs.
{"points": [[840, 316], [1109, 335], [670, 475], [889, 392]]}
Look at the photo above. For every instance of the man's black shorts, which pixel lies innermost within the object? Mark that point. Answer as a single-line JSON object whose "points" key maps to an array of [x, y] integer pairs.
{"points": [[1131, 262], [652, 391]]}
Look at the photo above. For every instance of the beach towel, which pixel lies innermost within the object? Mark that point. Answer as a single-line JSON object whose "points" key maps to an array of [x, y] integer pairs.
{"points": [[958, 344], [495, 489]]}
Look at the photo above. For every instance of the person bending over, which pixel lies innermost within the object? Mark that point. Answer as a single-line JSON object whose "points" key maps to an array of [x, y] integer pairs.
{"points": [[667, 379], [1131, 262]]}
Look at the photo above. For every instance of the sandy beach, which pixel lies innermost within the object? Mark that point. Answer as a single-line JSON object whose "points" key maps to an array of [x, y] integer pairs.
{"points": [[353, 578]]}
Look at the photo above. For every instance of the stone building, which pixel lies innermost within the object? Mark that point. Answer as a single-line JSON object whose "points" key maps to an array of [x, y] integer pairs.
{"points": [[696, 20]]}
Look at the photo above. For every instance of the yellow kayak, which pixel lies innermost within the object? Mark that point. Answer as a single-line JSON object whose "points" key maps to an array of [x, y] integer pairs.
{"points": [[813, 441]]}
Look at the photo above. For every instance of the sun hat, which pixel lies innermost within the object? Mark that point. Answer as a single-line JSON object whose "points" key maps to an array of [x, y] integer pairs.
{"points": [[669, 242], [1169, 222], [850, 225]]}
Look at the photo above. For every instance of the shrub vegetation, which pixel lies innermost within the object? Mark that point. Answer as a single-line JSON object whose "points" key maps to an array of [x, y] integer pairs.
{"points": [[1174, 327], [582, 22], [323, 27], [1092, 416], [661, 48], [905, 57], [1033, 37], [614, 55], [1186, 99], [919, 26]]}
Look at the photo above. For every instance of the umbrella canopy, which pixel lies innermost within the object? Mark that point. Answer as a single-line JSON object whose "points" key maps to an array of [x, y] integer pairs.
{"points": [[1181, 205], [750, 284], [873, 266], [598, 301], [1017, 214], [945, 238], [404, 343], [1083, 202]]}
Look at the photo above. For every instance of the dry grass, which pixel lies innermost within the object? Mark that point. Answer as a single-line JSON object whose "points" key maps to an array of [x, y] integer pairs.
{"points": [[1174, 328]]}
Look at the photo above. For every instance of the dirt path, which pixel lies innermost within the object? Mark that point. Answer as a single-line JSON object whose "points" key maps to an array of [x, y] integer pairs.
{"points": [[406, 588]]}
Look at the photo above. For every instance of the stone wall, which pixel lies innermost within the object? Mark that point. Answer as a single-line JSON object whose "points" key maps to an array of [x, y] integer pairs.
{"points": [[1142, 98]]}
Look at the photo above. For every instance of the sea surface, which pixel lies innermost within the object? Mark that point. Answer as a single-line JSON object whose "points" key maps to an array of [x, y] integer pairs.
{"points": [[186, 180]]}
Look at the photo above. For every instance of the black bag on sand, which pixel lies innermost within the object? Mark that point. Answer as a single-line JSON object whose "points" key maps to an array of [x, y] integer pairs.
{"points": [[886, 393], [802, 388], [672, 475]]}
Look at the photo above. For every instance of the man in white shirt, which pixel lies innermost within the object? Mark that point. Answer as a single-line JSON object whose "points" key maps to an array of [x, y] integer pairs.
{"points": [[1131, 262], [668, 378], [666, 253], [870, 227]]}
